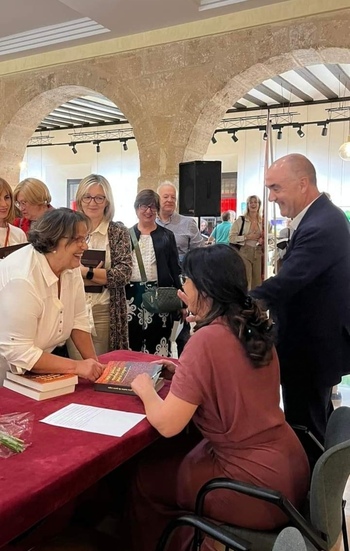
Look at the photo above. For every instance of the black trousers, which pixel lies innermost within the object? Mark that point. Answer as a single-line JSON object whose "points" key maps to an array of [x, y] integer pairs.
{"points": [[308, 405]]}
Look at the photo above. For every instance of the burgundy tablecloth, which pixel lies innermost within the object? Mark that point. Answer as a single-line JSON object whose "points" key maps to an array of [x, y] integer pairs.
{"points": [[61, 463]]}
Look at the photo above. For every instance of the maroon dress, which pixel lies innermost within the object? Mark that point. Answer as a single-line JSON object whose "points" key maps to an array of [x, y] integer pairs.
{"points": [[245, 437]]}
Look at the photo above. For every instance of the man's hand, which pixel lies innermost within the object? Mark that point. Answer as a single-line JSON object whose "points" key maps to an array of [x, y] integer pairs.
{"points": [[89, 369]]}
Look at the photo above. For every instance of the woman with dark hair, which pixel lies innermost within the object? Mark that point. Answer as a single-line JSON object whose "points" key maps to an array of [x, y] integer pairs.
{"points": [[227, 382], [44, 278], [148, 332]]}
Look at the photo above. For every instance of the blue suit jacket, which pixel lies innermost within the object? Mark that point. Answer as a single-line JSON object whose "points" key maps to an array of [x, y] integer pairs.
{"points": [[310, 298]]}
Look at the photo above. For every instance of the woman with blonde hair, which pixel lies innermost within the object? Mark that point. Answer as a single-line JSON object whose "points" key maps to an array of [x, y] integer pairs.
{"points": [[108, 308], [9, 234], [32, 199], [247, 236]]}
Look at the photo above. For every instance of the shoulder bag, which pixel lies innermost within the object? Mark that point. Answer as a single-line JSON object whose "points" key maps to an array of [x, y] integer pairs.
{"points": [[156, 300], [237, 246]]}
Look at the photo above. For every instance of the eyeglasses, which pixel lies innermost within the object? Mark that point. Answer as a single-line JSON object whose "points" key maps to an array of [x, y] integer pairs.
{"points": [[144, 208], [99, 199], [79, 240], [183, 279], [21, 204]]}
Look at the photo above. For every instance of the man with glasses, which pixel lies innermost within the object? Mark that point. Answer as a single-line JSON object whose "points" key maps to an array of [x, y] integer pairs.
{"points": [[187, 236]]}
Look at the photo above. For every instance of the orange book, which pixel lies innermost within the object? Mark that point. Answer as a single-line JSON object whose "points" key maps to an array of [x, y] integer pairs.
{"points": [[43, 381], [118, 376]]}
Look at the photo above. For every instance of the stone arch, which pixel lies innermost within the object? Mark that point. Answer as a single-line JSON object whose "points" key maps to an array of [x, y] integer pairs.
{"points": [[24, 109], [241, 83]]}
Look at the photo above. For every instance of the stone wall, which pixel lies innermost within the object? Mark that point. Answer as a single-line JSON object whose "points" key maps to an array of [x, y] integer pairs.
{"points": [[174, 94]]}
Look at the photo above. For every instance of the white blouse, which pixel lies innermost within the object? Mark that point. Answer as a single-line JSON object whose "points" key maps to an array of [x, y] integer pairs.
{"points": [[16, 236], [34, 319], [149, 260]]}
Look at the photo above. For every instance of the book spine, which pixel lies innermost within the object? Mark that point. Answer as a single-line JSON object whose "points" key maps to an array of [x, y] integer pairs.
{"points": [[114, 388]]}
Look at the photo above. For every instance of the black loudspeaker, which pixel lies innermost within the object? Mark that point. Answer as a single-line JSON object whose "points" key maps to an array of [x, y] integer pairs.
{"points": [[200, 188]]}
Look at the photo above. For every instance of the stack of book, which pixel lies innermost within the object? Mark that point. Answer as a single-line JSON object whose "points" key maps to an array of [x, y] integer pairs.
{"points": [[118, 376], [41, 386]]}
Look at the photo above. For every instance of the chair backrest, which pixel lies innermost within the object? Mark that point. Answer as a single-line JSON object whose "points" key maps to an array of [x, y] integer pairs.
{"points": [[338, 427], [330, 476], [290, 539]]}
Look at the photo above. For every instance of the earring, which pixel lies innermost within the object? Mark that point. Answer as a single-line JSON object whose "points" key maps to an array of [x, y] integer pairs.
{"points": [[54, 252]]}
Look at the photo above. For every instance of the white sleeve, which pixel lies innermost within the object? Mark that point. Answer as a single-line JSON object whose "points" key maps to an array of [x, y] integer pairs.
{"points": [[81, 317], [22, 308]]}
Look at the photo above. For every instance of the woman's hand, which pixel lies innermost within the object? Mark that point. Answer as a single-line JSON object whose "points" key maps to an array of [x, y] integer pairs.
{"points": [[169, 366], [142, 385], [89, 369], [189, 317]]}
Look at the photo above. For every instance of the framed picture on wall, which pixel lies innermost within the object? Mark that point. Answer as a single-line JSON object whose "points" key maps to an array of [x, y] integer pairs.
{"points": [[72, 186]]}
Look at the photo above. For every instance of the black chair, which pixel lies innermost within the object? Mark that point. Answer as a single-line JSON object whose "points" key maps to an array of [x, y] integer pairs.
{"points": [[324, 517], [290, 539]]}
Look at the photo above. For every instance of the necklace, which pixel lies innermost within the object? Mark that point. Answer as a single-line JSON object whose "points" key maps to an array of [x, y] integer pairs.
{"points": [[7, 236]]}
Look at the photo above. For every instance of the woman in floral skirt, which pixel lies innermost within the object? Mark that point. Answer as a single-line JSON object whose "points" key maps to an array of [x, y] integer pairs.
{"points": [[148, 332]]}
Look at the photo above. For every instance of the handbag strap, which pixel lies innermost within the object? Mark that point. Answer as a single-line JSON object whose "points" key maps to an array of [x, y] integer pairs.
{"points": [[138, 254], [242, 226]]}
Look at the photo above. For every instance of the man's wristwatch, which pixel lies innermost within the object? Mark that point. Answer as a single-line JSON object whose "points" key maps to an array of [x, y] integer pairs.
{"points": [[90, 273]]}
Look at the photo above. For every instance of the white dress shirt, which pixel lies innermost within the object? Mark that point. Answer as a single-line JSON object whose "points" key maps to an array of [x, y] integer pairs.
{"points": [[33, 319]]}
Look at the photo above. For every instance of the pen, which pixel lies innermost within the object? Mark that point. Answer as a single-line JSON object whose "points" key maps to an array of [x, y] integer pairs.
{"points": [[157, 373]]}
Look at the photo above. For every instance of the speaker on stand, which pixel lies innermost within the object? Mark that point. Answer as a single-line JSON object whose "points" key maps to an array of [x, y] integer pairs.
{"points": [[200, 188]]}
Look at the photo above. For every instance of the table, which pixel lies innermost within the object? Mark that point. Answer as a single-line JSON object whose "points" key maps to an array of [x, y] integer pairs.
{"points": [[62, 463]]}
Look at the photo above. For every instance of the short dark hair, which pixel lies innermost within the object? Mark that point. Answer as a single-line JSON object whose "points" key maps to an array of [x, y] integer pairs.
{"points": [[226, 216], [54, 225], [147, 197], [227, 288]]}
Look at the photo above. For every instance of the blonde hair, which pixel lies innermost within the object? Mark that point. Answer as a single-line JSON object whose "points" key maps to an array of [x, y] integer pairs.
{"points": [[84, 186], [5, 187], [34, 191], [259, 203]]}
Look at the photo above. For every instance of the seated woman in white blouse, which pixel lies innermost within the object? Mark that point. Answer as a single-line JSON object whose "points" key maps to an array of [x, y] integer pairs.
{"points": [[42, 300], [9, 234]]}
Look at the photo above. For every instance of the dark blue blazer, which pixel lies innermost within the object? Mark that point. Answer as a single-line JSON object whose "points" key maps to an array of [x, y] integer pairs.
{"points": [[310, 298]]}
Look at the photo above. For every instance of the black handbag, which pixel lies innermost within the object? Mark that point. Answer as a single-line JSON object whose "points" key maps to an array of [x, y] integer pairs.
{"points": [[237, 246], [156, 300]]}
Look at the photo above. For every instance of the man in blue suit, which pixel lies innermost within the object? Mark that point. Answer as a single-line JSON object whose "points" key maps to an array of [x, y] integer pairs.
{"points": [[310, 295]]}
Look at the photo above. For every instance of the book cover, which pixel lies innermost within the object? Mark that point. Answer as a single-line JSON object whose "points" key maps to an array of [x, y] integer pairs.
{"points": [[5, 251], [37, 394], [43, 381], [126, 389], [91, 258], [118, 375]]}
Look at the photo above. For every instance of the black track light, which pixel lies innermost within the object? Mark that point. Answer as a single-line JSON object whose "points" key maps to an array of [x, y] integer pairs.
{"points": [[213, 139], [324, 131], [279, 134], [74, 149], [234, 137], [265, 136], [98, 147], [300, 133], [125, 145]]}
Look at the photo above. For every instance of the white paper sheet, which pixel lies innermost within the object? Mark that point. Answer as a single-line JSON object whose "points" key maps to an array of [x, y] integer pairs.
{"points": [[94, 419]]}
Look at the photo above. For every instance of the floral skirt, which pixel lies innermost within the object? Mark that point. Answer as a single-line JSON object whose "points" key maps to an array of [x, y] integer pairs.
{"points": [[148, 333]]}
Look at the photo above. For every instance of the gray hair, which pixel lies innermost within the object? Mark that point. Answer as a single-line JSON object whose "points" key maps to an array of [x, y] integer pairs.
{"points": [[84, 186], [54, 225], [167, 183]]}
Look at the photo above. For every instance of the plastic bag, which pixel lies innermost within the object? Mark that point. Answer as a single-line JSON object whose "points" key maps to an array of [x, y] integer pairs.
{"points": [[15, 433]]}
